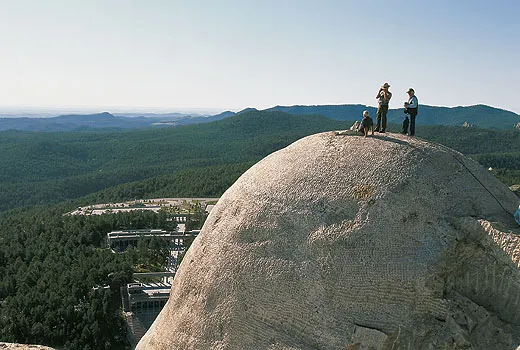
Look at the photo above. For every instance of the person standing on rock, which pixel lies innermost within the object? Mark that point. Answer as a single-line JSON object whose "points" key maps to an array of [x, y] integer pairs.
{"points": [[412, 109], [383, 97]]}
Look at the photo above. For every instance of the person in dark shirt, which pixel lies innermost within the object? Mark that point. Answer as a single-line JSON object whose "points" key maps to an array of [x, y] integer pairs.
{"points": [[383, 99], [406, 120], [366, 124]]}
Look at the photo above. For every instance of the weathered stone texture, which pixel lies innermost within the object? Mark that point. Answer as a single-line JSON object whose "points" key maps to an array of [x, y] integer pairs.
{"points": [[345, 242], [13, 346]]}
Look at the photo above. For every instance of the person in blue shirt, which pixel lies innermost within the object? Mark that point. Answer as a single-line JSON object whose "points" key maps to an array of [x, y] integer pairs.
{"points": [[411, 108]]}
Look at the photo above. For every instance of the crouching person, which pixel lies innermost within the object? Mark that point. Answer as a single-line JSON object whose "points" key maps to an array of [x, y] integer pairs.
{"points": [[366, 124]]}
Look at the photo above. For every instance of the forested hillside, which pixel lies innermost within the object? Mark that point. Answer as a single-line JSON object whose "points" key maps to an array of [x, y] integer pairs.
{"points": [[204, 182], [491, 148], [44, 168], [104, 121], [480, 115], [59, 283]]}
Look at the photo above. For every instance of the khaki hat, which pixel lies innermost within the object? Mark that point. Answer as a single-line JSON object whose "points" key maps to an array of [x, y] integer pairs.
{"points": [[385, 85]]}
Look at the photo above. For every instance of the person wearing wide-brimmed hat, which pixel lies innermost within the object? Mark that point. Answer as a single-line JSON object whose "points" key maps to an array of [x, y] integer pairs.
{"points": [[383, 97], [412, 108]]}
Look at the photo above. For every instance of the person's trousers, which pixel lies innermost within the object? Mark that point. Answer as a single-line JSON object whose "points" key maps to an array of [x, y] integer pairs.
{"points": [[412, 124], [381, 118], [406, 122]]}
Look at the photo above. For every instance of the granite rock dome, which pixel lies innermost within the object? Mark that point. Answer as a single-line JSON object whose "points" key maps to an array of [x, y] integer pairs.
{"points": [[345, 242]]}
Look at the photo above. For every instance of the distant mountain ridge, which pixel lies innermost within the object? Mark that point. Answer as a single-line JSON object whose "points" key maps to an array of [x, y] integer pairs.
{"points": [[73, 122], [105, 120], [481, 116]]}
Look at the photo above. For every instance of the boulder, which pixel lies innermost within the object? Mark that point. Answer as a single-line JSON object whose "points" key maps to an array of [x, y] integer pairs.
{"points": [[346, 242]]}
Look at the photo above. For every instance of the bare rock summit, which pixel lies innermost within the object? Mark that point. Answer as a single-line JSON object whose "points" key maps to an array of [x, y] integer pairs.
{"points": [[346, 242]]}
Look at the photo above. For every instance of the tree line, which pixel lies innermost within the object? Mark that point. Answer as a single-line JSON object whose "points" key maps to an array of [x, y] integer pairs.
{"points": [[48, 168], [59, 282]]}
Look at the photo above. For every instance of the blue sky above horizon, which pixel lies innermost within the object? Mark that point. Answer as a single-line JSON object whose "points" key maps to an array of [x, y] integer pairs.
{"points": [[232, 54]]}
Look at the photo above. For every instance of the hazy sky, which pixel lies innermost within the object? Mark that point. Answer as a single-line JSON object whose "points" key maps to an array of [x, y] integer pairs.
{"points": [[233, 54]]}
